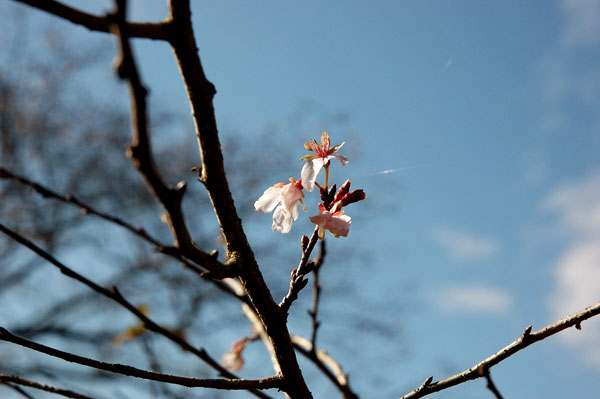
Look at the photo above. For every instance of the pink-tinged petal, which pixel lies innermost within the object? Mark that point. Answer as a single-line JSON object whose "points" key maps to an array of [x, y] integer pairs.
{"points": [[318, 220], [309, 173], [337, 223], [340, 225], [282, 220], [340, 158], [232, 361], [290, 195], [269, 200]]}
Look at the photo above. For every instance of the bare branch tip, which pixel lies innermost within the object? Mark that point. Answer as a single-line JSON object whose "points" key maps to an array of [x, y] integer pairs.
{"points": [[526, 332]]}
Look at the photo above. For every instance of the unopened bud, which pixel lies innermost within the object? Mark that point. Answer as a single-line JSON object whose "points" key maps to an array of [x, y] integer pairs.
{"points": [[304, 240], [342, 191], [353, 196]]}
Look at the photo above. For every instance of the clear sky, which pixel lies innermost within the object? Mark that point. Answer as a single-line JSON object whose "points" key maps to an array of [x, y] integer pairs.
{"points": [[473, 126]]}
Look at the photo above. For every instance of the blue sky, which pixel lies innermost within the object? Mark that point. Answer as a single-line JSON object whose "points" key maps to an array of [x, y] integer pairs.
{"points": [[485, 116]]}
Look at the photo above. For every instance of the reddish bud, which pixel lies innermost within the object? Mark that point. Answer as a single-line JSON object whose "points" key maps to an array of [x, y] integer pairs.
{"points": [[353, 196], [342, 191], [304, 241]]}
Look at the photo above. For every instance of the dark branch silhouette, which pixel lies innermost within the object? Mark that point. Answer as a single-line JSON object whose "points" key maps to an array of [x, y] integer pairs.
{"points": [[236, 384], [527, 338]]}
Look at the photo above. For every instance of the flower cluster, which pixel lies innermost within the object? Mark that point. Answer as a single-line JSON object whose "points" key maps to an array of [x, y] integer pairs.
{"points": [[283, 198]]}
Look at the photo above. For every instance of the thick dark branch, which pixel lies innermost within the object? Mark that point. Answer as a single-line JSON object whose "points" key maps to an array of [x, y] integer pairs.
{"points": [[239, 254], [200, 93], [233, 384], [141, 153], [527, 338], [116, 296], [153, 31], [48, 388]]}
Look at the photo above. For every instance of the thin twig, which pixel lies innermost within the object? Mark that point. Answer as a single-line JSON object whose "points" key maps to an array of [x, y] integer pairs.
{"points": [[490, 384], [297, 280], [18, 389], [527, 338], [116, 296], [87, 209], [231, 384], [328, 365], [315, 323], [155, 31], [48, 388]]}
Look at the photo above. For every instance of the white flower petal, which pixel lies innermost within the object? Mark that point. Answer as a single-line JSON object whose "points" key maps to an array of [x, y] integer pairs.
{"points": [[340, 225], [309, 173], [340, 158], [290, 195], [282, 220], [295, 212], [269, 200]]}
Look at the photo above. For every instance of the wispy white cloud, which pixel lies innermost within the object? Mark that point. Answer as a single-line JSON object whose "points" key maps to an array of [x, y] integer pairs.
{"points": [[582, 27], [472, 299], [448, 64], [577, 270], [577, 206], [568, 69], [462, 246]]}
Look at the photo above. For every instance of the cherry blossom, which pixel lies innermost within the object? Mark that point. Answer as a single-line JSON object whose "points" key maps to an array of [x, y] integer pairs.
{"points": [[284, 196], [321, 158], [233, 360], [336, 222]]}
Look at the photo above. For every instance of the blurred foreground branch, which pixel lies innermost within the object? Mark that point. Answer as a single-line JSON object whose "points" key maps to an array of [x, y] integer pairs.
{"points": [[13, 379]]}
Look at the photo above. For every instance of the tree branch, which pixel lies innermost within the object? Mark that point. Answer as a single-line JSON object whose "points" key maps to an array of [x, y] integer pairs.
{"points": [[138, 231], [315, 323], [527, 338], [116, 296], [231, 384], [33, 384], [141, 152], [490, 384], [155, 31], [239, 253], [297, 280], [18, 389], [328, 365]]}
